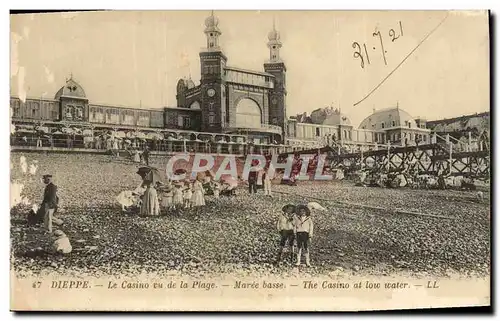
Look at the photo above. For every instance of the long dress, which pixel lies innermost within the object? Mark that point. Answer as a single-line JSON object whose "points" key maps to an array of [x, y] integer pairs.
{"points": [[198, 198], [150, 205], [167, 199], [267, 186], [177, 199], [137, 158]]}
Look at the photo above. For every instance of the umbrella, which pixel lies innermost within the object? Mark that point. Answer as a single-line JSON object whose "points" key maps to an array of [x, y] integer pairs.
{"points": [[140, 135], [120, 134], [149, 174]]}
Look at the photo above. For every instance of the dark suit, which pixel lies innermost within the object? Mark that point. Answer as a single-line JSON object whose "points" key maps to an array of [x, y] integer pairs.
{"points": [[252, 182], [50, 199], [49, 204]]}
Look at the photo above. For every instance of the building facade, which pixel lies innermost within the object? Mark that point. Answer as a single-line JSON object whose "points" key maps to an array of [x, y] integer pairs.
{"points": [[234, 100], [230, 105]]}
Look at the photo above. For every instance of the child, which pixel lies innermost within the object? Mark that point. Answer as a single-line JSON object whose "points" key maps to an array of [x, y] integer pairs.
{"points": [[267, 184], [216, 188], [167, 198], [303, 227], [286, 230], [177, 200], [188, 193]]}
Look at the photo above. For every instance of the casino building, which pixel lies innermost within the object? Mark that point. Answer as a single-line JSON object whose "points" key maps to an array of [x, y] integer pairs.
{"points": [[231, 110]]}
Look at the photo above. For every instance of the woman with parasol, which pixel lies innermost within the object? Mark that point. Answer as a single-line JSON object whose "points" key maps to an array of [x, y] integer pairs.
{"points": [[150, 205]]}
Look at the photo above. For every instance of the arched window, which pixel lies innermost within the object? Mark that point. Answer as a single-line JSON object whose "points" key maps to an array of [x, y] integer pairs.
{"points": [[195, 105], [248, 114]]}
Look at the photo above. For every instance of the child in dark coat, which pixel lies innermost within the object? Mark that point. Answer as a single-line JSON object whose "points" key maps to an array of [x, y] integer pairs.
{"points": [[303, 227]]}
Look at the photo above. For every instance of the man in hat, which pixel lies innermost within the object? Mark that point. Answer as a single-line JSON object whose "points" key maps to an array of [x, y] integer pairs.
{"points": [[50, 201]]}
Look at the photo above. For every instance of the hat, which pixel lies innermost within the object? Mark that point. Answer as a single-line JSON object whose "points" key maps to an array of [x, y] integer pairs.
{"points": [[303, 207], [287, 206], [47, 176], [59, 233]]}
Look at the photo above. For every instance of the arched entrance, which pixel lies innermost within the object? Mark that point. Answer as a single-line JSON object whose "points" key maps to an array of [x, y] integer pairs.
{"points": [[248, 114]]}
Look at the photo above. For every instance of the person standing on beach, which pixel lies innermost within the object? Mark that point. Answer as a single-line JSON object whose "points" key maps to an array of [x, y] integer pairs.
{"points": [[303, 226], [50, 201]]}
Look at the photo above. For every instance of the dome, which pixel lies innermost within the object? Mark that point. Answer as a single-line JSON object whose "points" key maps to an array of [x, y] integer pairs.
{"points": [[329, 116], [387, 118], [273, 35], [71, 89], [212, 23], [189, 83]]}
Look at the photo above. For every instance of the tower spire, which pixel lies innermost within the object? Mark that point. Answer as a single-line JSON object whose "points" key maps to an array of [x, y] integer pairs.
{"points": [[274, 43], [212, 32]]}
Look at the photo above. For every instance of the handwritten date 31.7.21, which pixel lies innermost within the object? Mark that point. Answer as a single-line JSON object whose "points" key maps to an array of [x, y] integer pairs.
{"points": [[362, 53]]}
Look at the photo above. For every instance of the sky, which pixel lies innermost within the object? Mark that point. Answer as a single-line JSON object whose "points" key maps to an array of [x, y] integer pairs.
{"points": [[135, 58]]}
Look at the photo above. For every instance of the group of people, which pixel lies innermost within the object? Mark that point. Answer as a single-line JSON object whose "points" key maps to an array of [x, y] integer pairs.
{"points": [[155, 198], [295, 226]]}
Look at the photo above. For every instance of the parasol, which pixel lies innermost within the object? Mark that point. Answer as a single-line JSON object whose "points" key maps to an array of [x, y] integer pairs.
{"points": [[140, 135], [149, 174]]}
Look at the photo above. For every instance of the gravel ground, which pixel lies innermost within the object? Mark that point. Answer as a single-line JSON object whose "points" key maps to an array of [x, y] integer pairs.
{"points": [[237, 234]]}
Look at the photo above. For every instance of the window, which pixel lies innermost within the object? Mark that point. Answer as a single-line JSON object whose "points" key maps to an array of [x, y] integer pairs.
{"points": [[34, 109], [248, 114], [275, 121], [79, 113], [211, 119], [409, 124], [393, 123], [69, 112], [383, 125], [317, 131], [186, 122], [92, 110]]}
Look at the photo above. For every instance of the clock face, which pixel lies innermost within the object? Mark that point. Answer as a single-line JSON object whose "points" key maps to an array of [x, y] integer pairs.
{"points": [[211, 92]]}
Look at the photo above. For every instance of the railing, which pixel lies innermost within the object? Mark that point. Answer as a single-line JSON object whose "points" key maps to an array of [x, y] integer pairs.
{"points": [[79, 144], [263, 127]]}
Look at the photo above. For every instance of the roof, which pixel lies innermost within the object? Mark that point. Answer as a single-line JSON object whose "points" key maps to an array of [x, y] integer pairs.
{"points": [[387, 116], [71, 89], [249, 71]]}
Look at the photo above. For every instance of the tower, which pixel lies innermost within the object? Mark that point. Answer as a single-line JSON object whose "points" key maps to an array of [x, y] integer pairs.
{"points": [[213, 63], [276, 67]]}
